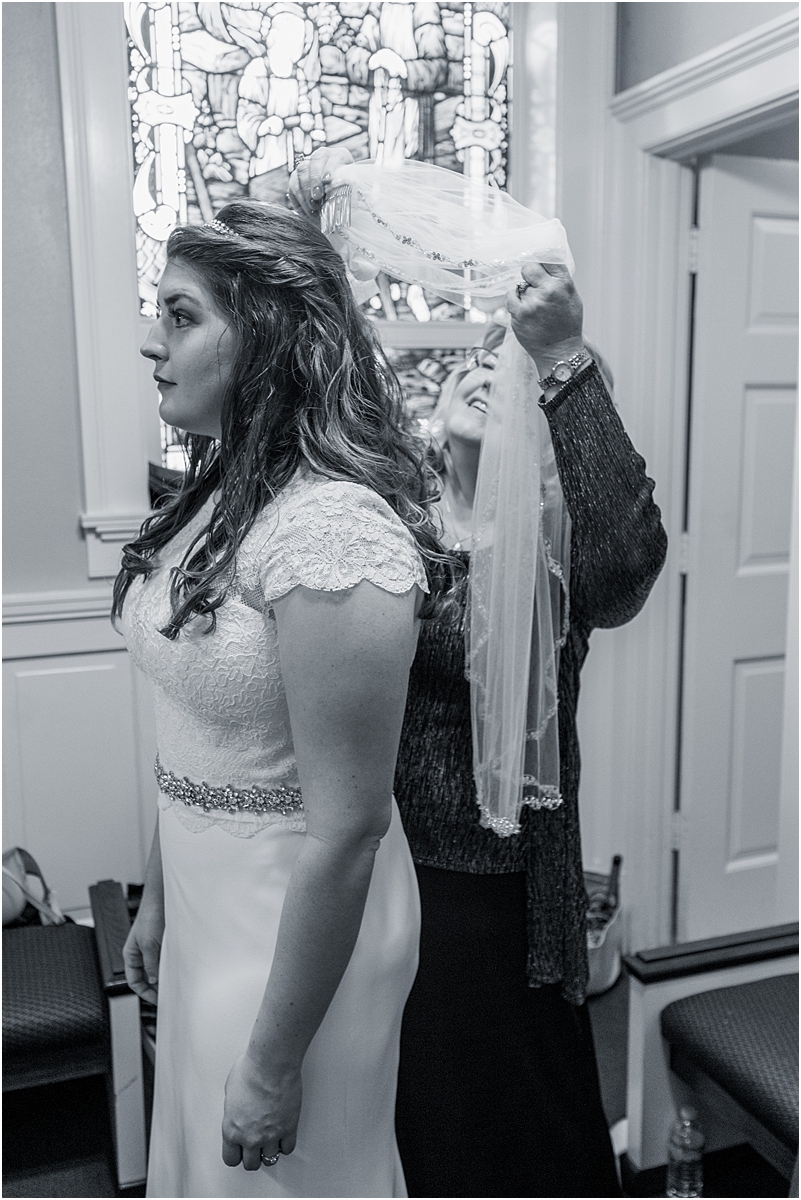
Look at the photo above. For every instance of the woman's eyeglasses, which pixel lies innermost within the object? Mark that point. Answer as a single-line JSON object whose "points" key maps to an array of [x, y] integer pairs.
{"points": [[479, 357]]}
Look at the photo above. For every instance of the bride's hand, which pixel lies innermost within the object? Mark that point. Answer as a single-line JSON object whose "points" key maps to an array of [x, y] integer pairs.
{"points": [[142, 949], [261, 1114], [309, 180]]}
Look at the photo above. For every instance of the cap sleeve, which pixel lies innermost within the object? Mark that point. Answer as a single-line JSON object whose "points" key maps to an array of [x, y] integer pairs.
{"points": [[329, 535]]}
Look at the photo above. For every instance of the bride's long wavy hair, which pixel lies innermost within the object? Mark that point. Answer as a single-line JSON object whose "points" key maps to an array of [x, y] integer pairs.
{"points": [[309, 385]]}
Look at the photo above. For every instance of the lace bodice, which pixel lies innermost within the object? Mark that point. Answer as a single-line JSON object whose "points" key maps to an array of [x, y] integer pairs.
{"points": [[220, 706]]}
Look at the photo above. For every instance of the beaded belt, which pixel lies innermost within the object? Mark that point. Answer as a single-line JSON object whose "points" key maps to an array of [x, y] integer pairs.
{"points": [[281, 800]]}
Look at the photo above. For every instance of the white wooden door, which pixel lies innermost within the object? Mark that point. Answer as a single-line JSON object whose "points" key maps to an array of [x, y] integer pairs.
{"points": [[742, 430]]}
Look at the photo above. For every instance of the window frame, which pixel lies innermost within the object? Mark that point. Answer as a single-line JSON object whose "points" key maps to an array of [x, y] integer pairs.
{"points": [[93, 77]]}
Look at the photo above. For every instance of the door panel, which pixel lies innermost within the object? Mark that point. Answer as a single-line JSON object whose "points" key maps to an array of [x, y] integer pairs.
{"points": [[741, 469], [758, 698], [765, 514]]}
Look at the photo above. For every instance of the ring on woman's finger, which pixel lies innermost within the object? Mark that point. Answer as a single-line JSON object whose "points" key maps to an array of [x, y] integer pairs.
{"points": [[521, 287], [299, 158], [270, 1160]]}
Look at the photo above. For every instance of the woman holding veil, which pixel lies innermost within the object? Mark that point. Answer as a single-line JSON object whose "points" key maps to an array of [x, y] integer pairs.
{"points": [[548, 505]]}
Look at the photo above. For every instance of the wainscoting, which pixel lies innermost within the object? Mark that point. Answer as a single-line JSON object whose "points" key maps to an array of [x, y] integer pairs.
{"points": [[78, 743]]}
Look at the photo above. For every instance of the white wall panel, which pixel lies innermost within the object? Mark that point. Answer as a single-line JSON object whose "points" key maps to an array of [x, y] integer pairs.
{"points": [[655, 37], [72, 768]]}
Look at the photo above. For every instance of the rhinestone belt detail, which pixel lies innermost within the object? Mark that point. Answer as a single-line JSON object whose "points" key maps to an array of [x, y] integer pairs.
{"points": [[281, 800]]}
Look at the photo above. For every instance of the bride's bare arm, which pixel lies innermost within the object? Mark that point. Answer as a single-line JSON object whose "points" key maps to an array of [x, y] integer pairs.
{"points": [[345, 660]]}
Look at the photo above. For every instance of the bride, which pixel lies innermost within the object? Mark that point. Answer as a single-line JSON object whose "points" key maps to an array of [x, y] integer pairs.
{"points": [[273, 603]]}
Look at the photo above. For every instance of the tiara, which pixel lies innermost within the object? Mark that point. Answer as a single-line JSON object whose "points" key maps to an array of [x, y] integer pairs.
{"points": [[221, 227], [335, 213]]}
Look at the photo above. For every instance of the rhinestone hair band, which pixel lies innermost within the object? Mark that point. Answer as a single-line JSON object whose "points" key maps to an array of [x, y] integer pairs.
{"points": [[281, 800], [221, 227]]}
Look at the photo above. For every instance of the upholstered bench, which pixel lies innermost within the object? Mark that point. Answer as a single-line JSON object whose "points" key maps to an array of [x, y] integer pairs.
{"points": [[658, 978], [737, 1048], [69, 1014], [55, 1016]]}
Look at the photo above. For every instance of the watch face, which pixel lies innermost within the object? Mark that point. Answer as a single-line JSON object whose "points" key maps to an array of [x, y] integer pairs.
{"points": [[562, 371]]}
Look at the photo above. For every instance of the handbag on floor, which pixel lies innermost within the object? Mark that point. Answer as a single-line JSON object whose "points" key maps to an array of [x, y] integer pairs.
{"points": [[18, 864]]}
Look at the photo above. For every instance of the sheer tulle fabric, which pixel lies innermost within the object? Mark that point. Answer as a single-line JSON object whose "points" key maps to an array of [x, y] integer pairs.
{"points": [[467, 242], [442, 230], [518, 601]]}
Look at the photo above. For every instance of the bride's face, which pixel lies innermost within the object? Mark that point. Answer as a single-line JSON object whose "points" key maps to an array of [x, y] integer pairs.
{"points": [[192, 347], [466, 418]]}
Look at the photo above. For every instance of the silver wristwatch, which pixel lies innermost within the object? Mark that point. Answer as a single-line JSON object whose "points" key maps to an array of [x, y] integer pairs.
{"points": [[563, 371]]}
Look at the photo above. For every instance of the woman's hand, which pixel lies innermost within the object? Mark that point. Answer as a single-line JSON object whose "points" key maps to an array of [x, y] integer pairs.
{"points": [[308, 182], [142, 949], [261, 1113], [547, 315]]}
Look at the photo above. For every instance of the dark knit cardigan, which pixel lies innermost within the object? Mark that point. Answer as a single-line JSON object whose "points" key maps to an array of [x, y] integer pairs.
{"points": [[617, 549]]}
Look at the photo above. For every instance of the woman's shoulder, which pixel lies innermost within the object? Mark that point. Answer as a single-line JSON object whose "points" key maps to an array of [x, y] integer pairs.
{"points": [[329, 534], [309, 491], [318, 503]]}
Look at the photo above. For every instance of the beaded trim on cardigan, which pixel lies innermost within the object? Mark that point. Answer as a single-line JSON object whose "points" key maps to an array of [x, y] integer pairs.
{"points": [[281, 800]]}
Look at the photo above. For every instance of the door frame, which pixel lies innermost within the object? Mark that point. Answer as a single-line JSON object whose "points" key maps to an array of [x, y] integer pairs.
{"points": [[625, 195], [727, 885]]}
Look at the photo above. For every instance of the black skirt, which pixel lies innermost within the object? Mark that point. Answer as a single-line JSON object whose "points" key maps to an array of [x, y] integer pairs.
{"points": [[498, 1089]]}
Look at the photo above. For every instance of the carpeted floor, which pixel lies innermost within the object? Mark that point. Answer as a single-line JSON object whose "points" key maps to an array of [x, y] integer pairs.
{"points": [[87, 1176], [57, 1141], [609, 1015]]}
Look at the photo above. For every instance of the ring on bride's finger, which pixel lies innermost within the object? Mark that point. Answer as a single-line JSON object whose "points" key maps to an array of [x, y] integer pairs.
{"points": [[270, 1160], [521, 287]]}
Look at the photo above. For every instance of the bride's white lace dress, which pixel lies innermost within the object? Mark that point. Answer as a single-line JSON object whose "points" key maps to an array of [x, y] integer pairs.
{"points": [[222, 721]]}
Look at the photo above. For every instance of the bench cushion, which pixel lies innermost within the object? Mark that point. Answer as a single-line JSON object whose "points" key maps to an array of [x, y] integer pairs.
{"points": [[55, 1015], [745, 1038]]}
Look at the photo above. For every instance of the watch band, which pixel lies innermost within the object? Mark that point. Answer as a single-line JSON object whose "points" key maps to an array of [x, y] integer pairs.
{"points": [[565, 370]]}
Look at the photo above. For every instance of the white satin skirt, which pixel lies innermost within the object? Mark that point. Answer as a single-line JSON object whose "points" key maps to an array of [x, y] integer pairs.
{"points": [[223, 900]]}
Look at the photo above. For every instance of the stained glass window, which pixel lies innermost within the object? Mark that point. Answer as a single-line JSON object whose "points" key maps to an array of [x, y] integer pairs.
{"points": [[173, 456], [421, 374], [224, 97]]}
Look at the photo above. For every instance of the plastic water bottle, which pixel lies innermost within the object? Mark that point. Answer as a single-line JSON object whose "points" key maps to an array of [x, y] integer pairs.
{"points": [[685, 1171]]}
